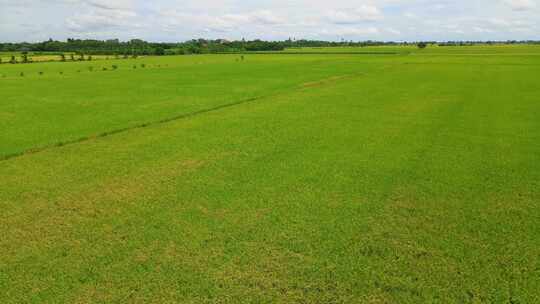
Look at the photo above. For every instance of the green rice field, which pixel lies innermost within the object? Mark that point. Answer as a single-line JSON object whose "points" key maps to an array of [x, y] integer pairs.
{"points": [[407, 177]]}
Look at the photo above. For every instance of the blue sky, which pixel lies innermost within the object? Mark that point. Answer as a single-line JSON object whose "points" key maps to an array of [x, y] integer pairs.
{"points": [[179, 20]]}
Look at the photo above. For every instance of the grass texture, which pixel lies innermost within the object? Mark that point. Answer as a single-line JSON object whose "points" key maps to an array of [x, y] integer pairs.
{"points": [[279, 179]]}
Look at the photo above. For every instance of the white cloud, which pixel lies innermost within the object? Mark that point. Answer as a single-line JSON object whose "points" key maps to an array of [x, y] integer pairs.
{"points": [[521, 5], [265, 17], [356, 32], [221, 23], [102, 16], [393, 31], [356, 15], [178, 20], [481, 30], [111, 4], [410, 15], [508, 24], [101, 20]]}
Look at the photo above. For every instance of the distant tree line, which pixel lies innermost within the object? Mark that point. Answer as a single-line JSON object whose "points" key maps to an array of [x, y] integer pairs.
{"points": [[137, 47]]}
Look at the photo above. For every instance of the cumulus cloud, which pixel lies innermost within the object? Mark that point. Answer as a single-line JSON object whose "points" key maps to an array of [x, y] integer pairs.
{"points": [[221, 23], [521, 5], [102, 16], [266, 17], [393, 31], [101, 20], [111, 5], [359, 14], [177, 20]]}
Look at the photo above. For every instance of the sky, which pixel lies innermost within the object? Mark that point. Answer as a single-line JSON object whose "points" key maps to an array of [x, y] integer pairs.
{"points": [[180, 20]]}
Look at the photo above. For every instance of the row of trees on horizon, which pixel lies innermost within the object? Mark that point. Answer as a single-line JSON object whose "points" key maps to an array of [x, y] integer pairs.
{"points": [[200, 46]]}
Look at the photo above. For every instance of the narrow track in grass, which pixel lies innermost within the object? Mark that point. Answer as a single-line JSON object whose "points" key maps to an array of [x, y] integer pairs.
{"points": [[313, 53], [301, 86]]}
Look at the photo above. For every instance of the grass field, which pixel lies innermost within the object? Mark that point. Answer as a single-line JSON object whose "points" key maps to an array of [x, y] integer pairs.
{"points": [[479, 50], [409, 178]]}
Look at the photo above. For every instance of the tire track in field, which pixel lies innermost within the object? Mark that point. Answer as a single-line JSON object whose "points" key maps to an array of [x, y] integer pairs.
{"points": [[301, 86]]}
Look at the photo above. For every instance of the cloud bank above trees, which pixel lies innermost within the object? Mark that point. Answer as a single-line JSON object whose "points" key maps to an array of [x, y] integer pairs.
{"points": [[178, 20]]}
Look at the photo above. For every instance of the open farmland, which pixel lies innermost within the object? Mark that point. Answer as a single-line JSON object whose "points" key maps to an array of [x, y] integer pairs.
{"points": [[305, 178]]}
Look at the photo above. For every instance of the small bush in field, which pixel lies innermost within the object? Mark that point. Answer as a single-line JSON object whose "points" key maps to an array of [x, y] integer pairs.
{"points": [[40, 73], [143, 65], [114, 67], [22, 74]]}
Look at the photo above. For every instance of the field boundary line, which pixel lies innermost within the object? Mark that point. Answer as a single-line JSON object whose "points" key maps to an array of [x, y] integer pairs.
{"points": [[329, 80], [311, 53], [289, 90]]}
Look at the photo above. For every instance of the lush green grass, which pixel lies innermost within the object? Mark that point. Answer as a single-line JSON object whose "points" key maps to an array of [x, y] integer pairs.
{"points": [[350, 179], [36, 108], [496, 49], [360, 50]]}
